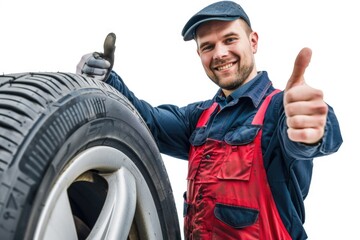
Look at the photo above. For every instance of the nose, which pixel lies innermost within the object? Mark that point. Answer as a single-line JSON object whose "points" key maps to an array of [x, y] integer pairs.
{"points": [[220, 52]]}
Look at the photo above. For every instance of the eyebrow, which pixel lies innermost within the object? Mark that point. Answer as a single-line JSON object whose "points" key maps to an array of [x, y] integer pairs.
{"points": [[230, 34]]}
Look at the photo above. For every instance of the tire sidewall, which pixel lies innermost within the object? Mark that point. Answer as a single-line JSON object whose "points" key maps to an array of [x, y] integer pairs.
{"points": [[117, 127]]}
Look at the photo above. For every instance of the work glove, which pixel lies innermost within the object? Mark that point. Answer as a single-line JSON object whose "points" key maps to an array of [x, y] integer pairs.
{"points": [[99, 65]]}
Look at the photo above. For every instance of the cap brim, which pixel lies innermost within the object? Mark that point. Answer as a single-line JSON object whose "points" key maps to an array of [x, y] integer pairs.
{"points": [[190, 33]]}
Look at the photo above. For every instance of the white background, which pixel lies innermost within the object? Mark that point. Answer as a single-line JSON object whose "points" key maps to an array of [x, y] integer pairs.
{"points": [[44, 35]]}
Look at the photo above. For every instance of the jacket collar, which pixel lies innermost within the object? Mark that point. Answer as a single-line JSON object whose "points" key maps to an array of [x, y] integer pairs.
{"points": [[255, 90]]}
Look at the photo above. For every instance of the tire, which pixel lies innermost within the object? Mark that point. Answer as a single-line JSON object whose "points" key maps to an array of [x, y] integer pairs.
{"points": [[77, 161]]}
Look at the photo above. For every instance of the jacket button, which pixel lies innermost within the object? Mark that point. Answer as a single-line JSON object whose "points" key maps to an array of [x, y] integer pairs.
{"points": [[208, 156]]}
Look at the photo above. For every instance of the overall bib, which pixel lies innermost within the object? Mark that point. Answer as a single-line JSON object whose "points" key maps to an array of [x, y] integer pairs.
{"points": [[228, 195]]}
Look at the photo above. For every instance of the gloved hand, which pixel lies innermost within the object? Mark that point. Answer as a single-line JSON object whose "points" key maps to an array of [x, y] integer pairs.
{"points": [[99, 65]]}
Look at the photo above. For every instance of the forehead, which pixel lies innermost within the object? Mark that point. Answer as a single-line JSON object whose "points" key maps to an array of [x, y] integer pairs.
{"points": [[220, 28]]}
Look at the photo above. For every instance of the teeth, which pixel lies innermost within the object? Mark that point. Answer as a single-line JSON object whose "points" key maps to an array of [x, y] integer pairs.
{"points": [[225, 67]]}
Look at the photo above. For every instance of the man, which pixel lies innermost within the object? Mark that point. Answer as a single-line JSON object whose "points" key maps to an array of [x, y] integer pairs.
{"points": [[251, 147]]}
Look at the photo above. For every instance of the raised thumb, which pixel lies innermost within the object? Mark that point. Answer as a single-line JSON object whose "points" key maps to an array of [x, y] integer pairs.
{"points": [[301, 63], [109, 47], [109, 51]]}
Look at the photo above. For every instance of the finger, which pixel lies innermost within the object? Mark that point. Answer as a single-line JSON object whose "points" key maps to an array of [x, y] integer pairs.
{"points": [[306, 108], [306, 135], [98, 63], [303, 93], [94, 71], [98, 55], [109, 46], [306, 121], [301, 63]]}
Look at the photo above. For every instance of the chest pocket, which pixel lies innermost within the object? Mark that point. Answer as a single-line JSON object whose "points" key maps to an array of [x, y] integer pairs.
{"points": [[198, 137], [239, 159]]}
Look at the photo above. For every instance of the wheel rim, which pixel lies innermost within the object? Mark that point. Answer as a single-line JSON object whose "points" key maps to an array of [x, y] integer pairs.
{"points": [[127, 209]]}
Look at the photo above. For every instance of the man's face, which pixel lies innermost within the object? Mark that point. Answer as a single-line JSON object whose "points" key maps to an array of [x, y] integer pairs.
{"points": [[227, 53]]}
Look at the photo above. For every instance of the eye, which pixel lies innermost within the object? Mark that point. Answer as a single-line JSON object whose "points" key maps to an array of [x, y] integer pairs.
{"points": [[230, 40], [206, 48]]}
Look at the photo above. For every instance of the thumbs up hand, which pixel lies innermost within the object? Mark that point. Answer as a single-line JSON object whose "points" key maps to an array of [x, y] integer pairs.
{"points": [[304, 106], [96, 64]]}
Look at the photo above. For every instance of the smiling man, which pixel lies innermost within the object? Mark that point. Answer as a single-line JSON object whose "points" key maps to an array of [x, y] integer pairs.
{"points": [[226, 50], [251, 147]]}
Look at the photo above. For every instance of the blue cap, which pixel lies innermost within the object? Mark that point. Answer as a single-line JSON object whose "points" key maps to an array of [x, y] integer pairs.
{"points": [[223, 11]]}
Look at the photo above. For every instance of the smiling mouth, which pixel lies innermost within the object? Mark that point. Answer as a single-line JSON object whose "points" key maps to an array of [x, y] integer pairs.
{"points": [[227, 66]]}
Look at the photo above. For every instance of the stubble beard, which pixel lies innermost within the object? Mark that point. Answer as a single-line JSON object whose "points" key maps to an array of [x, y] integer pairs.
{"points": [[240, 77]]}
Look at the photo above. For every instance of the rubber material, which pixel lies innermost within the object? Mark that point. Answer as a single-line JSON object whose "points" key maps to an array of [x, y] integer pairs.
{"points": [[45, 120]]}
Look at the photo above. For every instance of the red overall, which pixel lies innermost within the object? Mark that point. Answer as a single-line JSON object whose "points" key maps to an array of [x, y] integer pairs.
{"points": [[228, 194]]}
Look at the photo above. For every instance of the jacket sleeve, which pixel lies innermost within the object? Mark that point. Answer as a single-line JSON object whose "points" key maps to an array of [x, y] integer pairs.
{"points": [[168, 123], [330, 143]]}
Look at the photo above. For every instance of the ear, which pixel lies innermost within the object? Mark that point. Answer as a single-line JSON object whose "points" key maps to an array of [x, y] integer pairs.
{"points": [[253, 38]]}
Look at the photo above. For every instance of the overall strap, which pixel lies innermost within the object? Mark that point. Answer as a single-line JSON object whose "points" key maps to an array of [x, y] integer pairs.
{"points": [[259, 117], [205, 116]]}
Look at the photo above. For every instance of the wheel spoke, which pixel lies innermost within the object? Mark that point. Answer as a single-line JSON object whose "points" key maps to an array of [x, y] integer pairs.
{"points": [[61, 223], [127, 208], [119, 207]]}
